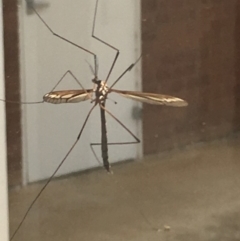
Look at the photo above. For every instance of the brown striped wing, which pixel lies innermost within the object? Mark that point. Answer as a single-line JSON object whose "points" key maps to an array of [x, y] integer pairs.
{"points": [[150, 98], [67, 96]]}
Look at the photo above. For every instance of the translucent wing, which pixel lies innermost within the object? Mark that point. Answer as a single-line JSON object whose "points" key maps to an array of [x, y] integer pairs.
{"points": [[67, 96], [150, 98]]}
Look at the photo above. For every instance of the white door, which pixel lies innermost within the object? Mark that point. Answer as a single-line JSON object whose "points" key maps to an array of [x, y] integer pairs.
{"points": [[50, 130]]}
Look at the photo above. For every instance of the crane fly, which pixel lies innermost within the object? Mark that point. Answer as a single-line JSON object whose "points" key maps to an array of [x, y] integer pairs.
{"points": [[101, 91], [98, 96]]}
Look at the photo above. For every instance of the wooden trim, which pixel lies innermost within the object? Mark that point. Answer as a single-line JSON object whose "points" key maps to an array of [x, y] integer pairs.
{"points": [[12, 84]]}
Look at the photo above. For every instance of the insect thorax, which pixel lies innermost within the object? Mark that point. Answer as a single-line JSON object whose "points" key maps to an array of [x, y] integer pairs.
{"points": [[101, 90]]}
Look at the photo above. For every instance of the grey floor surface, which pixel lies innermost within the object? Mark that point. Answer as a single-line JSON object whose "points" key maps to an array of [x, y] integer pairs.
{"points": [[189, 195]]}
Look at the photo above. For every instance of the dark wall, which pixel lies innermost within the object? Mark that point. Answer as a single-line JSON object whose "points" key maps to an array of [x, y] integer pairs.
{"points": [[12, 83], [191, 50]]}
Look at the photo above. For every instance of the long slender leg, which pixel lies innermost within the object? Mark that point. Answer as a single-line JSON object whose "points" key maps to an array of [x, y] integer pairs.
{"points": [[38, 102], [115, 143], [102, 41], [116, 119], [52, 176], [112, 143], [124, 72], [68, 41], [75, 78], [104, 142], [22, 103]]}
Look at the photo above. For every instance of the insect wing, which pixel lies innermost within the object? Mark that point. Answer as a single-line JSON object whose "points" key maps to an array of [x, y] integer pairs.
{"points": [[68, 96], [150, 98]]}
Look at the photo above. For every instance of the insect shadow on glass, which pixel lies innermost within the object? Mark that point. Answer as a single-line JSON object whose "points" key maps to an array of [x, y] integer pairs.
{"points": [[98, 96]]}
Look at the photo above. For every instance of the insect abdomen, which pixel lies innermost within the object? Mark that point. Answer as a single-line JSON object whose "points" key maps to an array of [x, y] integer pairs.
{"points": [[104, 145]]}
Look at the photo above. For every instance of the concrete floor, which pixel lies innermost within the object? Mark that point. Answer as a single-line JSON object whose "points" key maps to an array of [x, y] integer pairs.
{"points": [[195, 192]]}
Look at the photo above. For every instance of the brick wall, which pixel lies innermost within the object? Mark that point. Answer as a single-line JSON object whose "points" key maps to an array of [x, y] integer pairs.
{"points": [[12, 84], [191, 50]]}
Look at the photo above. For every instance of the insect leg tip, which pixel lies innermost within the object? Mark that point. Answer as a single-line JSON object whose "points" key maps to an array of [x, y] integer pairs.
{"points": [[109, 171]]}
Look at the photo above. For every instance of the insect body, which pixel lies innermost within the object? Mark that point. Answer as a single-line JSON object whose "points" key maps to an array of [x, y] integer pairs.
{"points": [[101, 91]]}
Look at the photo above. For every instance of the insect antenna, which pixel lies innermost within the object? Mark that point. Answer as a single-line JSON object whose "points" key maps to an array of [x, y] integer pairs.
{"points": [[90, 67]]}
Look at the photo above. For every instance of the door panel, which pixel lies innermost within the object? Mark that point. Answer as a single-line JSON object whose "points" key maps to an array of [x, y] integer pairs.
{"points": [[50, 130]]}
